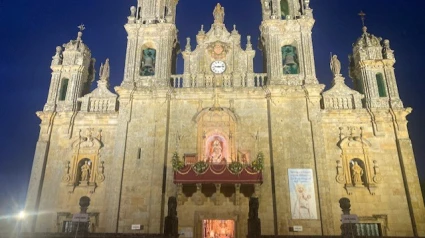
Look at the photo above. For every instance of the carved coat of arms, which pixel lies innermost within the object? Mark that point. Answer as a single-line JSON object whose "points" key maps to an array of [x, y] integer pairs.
{"points": [[218, 50]]}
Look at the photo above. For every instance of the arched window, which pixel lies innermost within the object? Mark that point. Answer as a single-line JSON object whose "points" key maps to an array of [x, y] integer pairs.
{"points": [[381, 85], [147, 66], [290, 60], [63, 89], [284, 8]]}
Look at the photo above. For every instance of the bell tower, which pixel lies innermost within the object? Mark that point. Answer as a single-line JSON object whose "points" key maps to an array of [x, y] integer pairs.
{"points": [[286, 42], [72, 74], [152, 43], [372, 71]]}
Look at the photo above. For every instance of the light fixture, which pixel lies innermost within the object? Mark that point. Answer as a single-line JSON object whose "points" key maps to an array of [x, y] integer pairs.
{"points": [[21, 215]]}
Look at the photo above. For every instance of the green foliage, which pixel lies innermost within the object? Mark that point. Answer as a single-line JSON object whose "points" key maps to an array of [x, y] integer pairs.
{"points": [[200, 167], [258, 164], [177, 163], [235, 167]]}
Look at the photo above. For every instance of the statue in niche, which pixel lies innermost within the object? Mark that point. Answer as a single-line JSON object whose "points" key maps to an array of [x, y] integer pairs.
{"points": [[290, 59], [356, 173], [218, 14], [85, 171], [284, 8], [335, 65], [216, 152], [147, 68]]}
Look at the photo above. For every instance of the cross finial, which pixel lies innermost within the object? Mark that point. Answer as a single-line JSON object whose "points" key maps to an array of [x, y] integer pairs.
{"points": [[81, 27], [362, 16]]}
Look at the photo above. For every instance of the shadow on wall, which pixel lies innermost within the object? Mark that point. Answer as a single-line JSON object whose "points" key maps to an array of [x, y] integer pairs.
{"points": [[423, 188]]}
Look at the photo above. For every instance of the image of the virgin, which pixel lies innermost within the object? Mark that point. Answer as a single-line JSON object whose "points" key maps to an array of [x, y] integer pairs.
{"points": [[216, 150]]}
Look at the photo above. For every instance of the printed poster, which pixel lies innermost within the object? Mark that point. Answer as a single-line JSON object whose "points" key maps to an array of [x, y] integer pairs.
{"points": [[302, 195]]}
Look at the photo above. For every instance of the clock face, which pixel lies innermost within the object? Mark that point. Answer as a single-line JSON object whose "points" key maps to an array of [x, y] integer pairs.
{"points": [[218, 67]]}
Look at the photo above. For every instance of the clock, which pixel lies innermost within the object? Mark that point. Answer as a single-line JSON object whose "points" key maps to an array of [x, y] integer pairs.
{"points": [[218, 67]]}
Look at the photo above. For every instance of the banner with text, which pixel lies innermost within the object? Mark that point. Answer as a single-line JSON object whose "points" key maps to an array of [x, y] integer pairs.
{"points": [[302, 195]]}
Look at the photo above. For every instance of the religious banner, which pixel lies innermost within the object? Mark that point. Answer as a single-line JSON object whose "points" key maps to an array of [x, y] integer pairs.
{"points": [[302, 195]]}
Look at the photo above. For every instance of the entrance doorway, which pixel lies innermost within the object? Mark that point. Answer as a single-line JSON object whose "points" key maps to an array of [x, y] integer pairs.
{"points": [[218, 228]]}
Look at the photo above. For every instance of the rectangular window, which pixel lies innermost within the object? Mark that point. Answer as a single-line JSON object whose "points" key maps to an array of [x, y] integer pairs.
{"points": [[368, 229], [381, 85], [63, 89]]}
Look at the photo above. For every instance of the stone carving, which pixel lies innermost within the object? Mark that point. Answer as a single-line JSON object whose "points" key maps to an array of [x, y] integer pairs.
{"points": [[376, 177], [218, 14], [105, 71], [85, 171], [67, 177], [171, 227], [101, 172], [290, 59], [340, 172], [147, 67], [387, 52], [181, 197], [218, 50], [340, 96], [101, 99], [356, 174], [198, 198], [58, 58], [254, 223], [188, 47], [355, 162], [218, 197], [132, 11], [335, 65]]}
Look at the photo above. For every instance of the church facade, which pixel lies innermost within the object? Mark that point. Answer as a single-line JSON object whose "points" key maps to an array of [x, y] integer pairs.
{"points": [[220, 133]]}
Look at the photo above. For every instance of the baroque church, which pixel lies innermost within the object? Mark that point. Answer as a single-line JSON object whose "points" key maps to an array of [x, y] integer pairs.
{"points": [[219, 133]]}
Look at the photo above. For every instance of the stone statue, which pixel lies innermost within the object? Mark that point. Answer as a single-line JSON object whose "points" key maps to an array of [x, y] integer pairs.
{"points": [[132, 11], [357, 173], [387, 52], [218, 14], [85, 171], [105, 71], [335, 65], [171, 228]]}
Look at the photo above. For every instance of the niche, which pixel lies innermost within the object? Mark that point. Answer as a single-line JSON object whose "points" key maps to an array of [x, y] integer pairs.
{"points": [[290, 61], [148, 62]]}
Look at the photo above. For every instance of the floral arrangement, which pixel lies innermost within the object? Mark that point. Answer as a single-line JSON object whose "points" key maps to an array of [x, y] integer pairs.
{"points": [[235, 167], [258, 164], [177, 163], [200, 167]]}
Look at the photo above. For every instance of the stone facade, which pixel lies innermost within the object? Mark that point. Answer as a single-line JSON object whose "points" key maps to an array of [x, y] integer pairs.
{"points": [[118, 148]]}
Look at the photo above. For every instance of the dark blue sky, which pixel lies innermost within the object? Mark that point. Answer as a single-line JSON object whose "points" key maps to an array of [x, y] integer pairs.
{"points": [[30, 31]]}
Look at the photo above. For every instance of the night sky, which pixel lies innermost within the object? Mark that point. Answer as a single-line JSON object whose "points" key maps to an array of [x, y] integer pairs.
{"points": [[31, 30]]}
